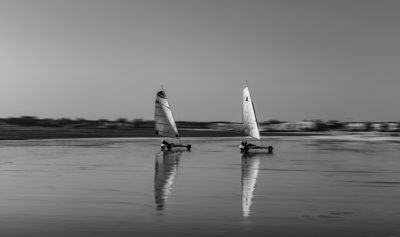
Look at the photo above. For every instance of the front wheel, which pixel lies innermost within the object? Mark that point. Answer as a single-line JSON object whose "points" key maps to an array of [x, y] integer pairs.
{"points": [[270, 148]]}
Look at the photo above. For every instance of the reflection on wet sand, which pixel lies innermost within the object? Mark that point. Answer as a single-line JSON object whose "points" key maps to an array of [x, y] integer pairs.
{"points": [[166, 167], [250, 166]]}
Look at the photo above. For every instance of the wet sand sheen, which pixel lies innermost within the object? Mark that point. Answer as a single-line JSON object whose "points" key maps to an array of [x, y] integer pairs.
{"points": [[125, 187]]}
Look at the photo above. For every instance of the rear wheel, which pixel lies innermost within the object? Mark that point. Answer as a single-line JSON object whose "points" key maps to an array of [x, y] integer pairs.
{"points": [[169, 147], [188, 147]]}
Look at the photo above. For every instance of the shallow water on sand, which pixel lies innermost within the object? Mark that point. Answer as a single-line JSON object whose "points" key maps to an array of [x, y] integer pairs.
{"points": [[309, 186]]}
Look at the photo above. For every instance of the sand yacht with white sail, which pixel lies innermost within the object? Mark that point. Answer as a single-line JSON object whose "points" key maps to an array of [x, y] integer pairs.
{"points": [[165, 123], [250, 125]]}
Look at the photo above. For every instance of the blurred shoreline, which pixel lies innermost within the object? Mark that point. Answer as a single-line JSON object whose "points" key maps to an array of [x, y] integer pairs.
{"points": [[29, 127]]}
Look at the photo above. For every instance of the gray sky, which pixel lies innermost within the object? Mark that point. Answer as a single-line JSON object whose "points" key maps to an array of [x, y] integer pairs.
{"points": [[107, 59]]}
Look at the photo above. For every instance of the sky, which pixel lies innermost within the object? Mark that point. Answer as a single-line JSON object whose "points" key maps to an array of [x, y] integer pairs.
{"points": [[302, 59]]}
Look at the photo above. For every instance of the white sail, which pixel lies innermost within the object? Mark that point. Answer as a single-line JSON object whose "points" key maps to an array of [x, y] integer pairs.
{"points": [[166, 169], [249, 118], [165, 123], [250, 167]]}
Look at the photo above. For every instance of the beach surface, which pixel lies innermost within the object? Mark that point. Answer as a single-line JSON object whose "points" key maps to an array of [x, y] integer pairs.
{"points": [[309, 186]]}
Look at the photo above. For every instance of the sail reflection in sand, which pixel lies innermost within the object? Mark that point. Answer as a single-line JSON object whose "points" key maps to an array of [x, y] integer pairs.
{"points": [[250, 166], [166, 168]]}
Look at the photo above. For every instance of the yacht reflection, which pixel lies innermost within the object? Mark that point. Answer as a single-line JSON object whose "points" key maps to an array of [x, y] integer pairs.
{"points": [[166, 167], [250, 166]]}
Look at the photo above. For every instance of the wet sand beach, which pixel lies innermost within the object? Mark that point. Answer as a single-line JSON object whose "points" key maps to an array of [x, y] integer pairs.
{"points": [[309, 186]]}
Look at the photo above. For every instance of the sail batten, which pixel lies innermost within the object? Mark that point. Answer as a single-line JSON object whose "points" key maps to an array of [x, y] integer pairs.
{"points": [[249, 119], [164, 119]]}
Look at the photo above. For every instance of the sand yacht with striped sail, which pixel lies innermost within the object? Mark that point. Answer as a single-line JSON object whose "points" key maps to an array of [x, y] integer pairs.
{"points": [[165, 125], [250, 125]]}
